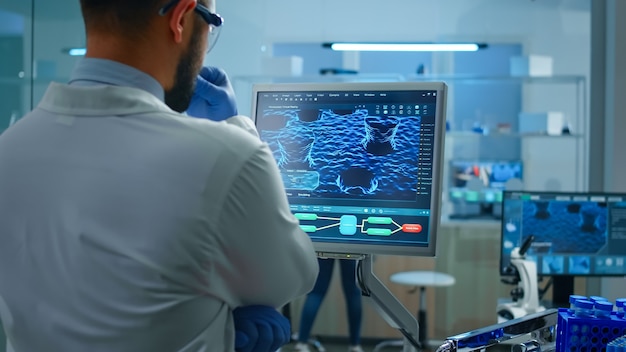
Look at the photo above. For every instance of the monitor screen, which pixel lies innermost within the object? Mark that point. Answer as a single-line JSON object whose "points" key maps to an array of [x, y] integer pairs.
{"points": [[576, 234], [361, 162]]}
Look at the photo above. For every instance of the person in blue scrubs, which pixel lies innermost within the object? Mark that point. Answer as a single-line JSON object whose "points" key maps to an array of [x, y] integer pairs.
{"points": [[352, 295]]}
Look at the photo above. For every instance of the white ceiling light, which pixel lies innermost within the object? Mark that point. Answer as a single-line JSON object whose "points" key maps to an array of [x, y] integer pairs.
{"points": [[405, 46], [75, 51]]}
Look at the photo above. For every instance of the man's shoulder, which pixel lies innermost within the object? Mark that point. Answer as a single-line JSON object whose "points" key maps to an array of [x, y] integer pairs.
{"points": [[233, 137]]}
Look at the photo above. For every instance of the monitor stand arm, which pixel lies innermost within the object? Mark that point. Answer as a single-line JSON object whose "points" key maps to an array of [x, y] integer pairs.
{"points": [[387, 305]]}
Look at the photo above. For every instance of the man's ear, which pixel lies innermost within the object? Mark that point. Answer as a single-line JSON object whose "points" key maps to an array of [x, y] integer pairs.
{"points": [[178, 20]]}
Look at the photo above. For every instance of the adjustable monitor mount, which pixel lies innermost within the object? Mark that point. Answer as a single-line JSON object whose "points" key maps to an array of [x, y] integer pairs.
{"points": [[385, 303]]}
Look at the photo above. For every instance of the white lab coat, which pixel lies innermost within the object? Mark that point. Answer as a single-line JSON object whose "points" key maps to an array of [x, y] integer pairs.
{"points": [[127, 227]]}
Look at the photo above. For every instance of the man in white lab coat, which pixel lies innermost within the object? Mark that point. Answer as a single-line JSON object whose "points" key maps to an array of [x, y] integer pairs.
{"points": [[127, 226]]}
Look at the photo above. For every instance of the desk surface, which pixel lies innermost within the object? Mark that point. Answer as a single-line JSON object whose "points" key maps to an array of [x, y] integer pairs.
{"points": [[422, 278]]}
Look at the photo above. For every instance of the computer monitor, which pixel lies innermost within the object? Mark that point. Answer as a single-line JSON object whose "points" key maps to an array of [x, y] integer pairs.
{"points": [[361, 162], [576, 234]]}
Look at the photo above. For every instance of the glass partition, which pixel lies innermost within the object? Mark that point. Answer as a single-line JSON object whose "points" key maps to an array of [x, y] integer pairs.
{"points": [[58, 27], [16, 54], [15, 82], [34, 40]]}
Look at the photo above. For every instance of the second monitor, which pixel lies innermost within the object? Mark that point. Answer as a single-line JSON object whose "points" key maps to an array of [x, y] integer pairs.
{"points": [[575, 234]]}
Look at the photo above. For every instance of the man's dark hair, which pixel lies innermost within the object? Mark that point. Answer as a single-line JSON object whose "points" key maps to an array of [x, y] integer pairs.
{"points": [[131, 17]]}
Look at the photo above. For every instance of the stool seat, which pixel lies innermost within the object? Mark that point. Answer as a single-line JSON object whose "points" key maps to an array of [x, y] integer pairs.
{"points": [[422, 278]]}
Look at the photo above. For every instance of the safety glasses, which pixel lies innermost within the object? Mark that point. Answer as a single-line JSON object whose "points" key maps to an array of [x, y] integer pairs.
{"points": [[214, 20]]}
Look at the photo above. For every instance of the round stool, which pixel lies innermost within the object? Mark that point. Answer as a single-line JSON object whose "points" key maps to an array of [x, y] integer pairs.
{"points": [[419, 279]]}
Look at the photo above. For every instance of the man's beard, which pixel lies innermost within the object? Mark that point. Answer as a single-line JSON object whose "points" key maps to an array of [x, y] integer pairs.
{"points": [[179, 96]]}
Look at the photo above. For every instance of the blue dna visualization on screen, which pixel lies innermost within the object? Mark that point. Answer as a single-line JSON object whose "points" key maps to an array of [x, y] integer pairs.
{"points": [[357, 165], [576, 234]]}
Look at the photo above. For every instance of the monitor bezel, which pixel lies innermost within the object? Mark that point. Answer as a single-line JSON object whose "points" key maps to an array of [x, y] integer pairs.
{"points": [[507, 193], [438, 156]]}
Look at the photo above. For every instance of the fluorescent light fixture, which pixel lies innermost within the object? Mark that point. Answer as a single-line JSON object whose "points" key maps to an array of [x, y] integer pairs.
{"points": [[405, 46], [75, 51]]}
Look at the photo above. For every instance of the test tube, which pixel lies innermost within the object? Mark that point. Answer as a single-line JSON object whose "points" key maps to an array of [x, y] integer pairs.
{"points": [[597, 298], [603, 309], [583, 308], [572, 302], [620, 303]]}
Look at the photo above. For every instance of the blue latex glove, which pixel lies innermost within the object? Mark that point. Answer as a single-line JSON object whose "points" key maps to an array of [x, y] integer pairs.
{"points": [[213, 98], [260, 329]]}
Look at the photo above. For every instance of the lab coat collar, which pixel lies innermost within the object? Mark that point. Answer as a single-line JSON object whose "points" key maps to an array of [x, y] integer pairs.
{"points": [[100, 100], [94, 71]]}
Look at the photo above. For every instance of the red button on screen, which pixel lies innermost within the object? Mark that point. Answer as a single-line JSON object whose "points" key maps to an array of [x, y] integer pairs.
{"points": [[414, 228]]}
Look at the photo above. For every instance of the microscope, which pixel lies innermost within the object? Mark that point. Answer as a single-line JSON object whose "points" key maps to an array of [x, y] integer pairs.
{"points": [[526, 294]]}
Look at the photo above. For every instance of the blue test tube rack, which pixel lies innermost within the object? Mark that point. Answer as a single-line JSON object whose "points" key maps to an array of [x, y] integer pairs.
{"points": [[587, 334]]}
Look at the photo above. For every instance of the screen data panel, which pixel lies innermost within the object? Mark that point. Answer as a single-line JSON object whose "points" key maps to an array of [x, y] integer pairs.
{"points": [[361, 162], [576, 234]]}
